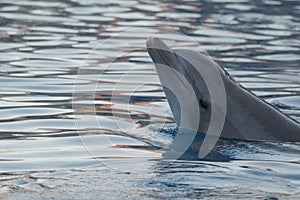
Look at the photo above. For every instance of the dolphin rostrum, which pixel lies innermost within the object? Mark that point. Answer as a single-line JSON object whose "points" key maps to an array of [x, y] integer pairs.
{"points": [[245, 115]]}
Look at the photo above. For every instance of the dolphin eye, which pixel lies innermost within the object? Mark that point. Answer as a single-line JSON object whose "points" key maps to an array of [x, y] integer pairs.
{"points": [[204, 104]]}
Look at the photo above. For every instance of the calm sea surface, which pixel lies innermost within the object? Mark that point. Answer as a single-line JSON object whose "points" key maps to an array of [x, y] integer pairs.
{"points": [[83, 115]]}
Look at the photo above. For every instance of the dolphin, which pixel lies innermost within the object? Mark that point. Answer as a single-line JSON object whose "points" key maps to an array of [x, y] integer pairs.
{"points": [[246, 116]]}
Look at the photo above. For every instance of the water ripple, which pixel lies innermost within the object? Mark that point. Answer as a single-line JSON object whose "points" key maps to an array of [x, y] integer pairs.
{"points": [[43, 44]]}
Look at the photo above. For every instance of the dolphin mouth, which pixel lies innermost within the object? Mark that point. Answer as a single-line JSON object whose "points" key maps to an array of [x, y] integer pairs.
{"points": [[160, 52], [162, 57]]}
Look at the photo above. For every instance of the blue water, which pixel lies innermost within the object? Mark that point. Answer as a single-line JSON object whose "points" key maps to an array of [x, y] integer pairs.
{"points": [[83, 115]]}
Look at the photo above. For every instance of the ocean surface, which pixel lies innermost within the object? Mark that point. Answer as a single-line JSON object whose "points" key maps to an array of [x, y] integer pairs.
{"points": [[83, 114]]}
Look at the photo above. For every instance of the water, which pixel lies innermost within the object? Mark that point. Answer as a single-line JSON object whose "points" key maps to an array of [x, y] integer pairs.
{"points": [[121, 112]]}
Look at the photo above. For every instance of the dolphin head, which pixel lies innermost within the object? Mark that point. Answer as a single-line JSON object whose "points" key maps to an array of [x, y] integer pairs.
{"points": [[195, 68]]}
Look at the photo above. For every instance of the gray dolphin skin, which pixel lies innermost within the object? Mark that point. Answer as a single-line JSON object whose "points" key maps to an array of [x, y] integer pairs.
{"points": [[246, 116]]}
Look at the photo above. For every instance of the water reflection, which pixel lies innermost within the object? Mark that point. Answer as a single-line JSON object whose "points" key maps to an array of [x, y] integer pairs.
{"points": [[44, 43]]}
